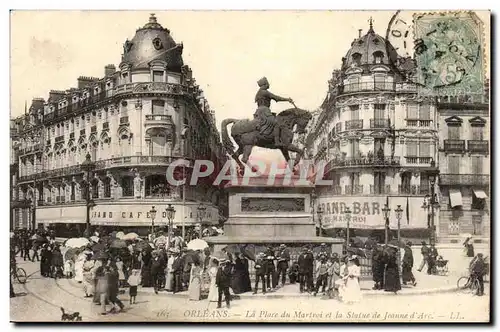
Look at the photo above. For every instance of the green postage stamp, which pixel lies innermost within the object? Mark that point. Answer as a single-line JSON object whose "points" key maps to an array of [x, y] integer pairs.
{"points": [[449, 53]]}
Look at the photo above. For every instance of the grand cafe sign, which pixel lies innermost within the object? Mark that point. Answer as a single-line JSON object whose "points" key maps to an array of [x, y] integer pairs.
{"points": [[140, 214]]}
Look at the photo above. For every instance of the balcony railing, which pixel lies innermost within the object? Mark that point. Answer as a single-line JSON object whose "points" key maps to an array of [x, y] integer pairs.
{"points": [[30, 149], [159, 117], [464, 179], [379, 123], [418, 123], [59, 139], [386, 161], [478, 146], [367, 86], [418, 160], [152, 87], [134, 160], [413, 190], [336, 190], [380, 190], [454, 145], [354, 124]]}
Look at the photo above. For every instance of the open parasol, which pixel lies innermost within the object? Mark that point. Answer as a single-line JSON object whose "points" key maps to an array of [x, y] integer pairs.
{"points": [[130, 236], [94, 239], [161, 239], [76, 242], [120, 235], [117, 243], [39, 239], [197, 244]]}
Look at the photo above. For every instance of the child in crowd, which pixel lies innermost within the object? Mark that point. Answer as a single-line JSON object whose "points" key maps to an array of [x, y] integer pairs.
{"points": [[134, 280], [69, 268]]}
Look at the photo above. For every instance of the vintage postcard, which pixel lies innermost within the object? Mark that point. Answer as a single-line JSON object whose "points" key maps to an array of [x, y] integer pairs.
{"points": [[250, 166]]}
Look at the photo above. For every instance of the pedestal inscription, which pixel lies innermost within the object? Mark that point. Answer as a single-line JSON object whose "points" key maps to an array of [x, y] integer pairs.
{"points": [[271, 204]]}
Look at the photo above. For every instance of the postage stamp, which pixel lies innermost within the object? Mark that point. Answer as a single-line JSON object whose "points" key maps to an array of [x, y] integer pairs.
{"points": [[449, 53]]}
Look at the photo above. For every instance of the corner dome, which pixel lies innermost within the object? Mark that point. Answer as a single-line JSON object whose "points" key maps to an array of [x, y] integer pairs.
{"points": [[152, 42], [370, 49]]}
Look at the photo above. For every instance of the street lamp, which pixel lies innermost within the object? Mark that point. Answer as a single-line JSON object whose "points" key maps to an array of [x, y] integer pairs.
{"points": [[152, 213], [88, 166], [170, 216], [386, 210], [347, 212], [320, 219], [431, 202], [202, 210], [399, 214]]}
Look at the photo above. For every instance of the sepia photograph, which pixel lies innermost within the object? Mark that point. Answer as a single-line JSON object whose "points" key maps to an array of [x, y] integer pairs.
{"points": [[270, 166]]}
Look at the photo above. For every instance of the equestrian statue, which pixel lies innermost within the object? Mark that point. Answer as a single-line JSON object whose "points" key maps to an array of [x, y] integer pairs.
{"points": [[267, 129]]}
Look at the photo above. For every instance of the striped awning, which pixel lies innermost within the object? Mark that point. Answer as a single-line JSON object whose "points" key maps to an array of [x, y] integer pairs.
{"points": [[455, 198], [480, 194]]}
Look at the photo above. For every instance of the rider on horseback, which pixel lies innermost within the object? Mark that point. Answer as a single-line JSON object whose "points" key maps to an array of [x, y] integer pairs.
{"points": [[266, 120]]}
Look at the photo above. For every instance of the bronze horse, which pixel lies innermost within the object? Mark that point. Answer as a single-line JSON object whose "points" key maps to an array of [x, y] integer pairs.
{"points": [[246, 135]]}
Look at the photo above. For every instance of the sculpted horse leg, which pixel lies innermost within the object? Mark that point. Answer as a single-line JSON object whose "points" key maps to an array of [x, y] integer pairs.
{"points": [[299, 151]]}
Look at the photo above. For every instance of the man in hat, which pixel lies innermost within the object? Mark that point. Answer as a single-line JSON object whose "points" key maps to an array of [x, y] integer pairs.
{"points": [[425, 256], [223, 281], [260, 271], [408, 265], [266, 120], [270, 268], [283, 259], [177, 269], [321, 274], [306, 262]]}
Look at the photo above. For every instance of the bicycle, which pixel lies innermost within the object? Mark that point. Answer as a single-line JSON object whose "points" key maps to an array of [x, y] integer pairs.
{"points": [[20, 274], [468, 283]]}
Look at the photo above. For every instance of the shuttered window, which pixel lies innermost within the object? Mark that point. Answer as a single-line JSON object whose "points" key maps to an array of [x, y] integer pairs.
{"points": [[477, 165], [425, 112], [411, 149], [453, 132], [378, 111], [424, 149], [412, 112]]}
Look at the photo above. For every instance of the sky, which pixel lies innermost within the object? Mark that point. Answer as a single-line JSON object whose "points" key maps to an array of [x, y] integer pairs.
{"points": [[227, 50]]}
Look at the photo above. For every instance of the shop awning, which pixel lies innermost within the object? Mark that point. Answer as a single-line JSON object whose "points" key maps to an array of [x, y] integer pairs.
{"points": [[455, 198], [480, 194]]}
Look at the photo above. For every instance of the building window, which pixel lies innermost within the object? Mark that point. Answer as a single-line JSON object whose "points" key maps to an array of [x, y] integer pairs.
{"points": [[378, 57], [379, 182], [353, 84], [477, 225], [127, 184], [356, 59], [477, 133], [425, 112], [453, 164], [454, 132], [72, 194], [354, 148], [477, 164], [424, 184], [406, 183], [354, 112], [157, 76], [158, 107], [107, 187], [412, 112], [379, 80], [157, 186], [424, 149], [379, 147], [354, 177], [411, 149], [95, 188]]}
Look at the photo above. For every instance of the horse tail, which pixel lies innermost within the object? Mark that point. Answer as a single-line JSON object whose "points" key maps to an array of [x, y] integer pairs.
{"points": [[226, 141]]}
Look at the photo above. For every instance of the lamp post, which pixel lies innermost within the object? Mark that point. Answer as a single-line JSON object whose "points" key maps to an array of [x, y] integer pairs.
{"points": [[319, 211], [313, 206], [152, 213], [170, 216], [399, 214], [431, 202], [202, 210], [88, 166], [386, 210], [347, 212]]}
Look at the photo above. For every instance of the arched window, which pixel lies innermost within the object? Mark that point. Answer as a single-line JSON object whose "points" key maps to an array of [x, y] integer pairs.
{"points": [[95, 188], [157, 186], [353, 84], [93, 147], [157, 142], [378, 57], [356, 59], [127, 184], [107, 187], [124, 142]]}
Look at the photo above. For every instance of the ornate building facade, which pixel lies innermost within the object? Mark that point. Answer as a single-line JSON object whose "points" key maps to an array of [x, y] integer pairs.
{"points": [[464, 162], [379, 139], [134, 122]]}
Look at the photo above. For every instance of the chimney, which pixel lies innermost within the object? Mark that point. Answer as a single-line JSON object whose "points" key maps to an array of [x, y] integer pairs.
{"points": [[84, 81], [55, 95], [37, 103], [109, 70], [359, 32]]}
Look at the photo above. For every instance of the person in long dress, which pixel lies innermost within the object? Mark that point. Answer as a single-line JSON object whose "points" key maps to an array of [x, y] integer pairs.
{"points": [[119, 268], [194, 290], [340, 283], [213, 292], [79, 267], [352, 290], [169, 283], [88, 278], [240, 279], [392, 282]]}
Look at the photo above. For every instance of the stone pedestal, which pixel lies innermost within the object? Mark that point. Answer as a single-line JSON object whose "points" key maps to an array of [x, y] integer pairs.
{"points": [[262, 215]]}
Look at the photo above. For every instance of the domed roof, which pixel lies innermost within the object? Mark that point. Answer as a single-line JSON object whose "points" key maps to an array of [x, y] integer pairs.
{"points": [[152, 42], [366, 49]]}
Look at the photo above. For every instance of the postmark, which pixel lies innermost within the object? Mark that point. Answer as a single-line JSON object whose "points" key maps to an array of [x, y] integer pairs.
{"points": [[441, 52]]}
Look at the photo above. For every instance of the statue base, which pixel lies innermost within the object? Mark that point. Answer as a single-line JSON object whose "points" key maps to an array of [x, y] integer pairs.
{"points": [[263, 214]]}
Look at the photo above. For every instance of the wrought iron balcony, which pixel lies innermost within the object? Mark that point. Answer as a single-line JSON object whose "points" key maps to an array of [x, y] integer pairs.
{"points": [[418, 123], [413, 190], [159, 118], [454, 145], [134, 160], [354, 124], [379, 123], [478, 146], [464, 179], [152, 87], [380, 190], [367, 86], [386, 161], [418, 160]]}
